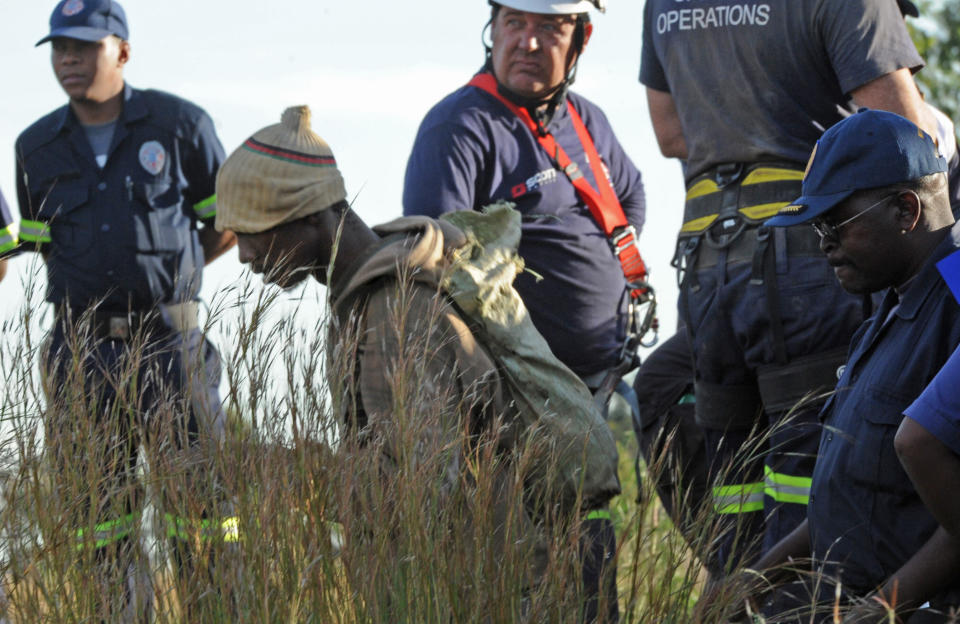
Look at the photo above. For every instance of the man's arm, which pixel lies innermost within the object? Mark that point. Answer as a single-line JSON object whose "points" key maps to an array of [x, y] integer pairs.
{"points": [[935, 471], [897, 92], [666, 124], [932, 569], [443, 171], [201, 165]]}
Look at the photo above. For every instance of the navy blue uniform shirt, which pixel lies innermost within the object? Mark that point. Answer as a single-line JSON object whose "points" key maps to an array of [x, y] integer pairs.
{"points": [[126, 233], [472, 151], [865, 516]]}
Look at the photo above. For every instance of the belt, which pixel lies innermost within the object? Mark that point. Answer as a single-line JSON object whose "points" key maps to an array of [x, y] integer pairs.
{"points": [[116, 325]]}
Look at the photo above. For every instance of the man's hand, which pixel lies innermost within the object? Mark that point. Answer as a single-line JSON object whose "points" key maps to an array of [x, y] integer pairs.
{"points": [[3, 269], [732, 599]]}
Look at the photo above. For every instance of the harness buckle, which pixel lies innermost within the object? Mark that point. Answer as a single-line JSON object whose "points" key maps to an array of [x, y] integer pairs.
{"points": [[572, 171], [623, 238]]}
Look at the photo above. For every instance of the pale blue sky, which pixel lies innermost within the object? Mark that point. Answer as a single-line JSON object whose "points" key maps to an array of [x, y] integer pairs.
{"points": [[369, 70]]}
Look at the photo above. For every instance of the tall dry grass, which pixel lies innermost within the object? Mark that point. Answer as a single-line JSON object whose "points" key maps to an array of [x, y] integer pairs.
{"points": [[417, 518]]}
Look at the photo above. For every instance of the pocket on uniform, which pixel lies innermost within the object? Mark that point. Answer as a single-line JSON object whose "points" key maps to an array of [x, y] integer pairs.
{"points": [[161, 226], [873, 460], [64, 208]]}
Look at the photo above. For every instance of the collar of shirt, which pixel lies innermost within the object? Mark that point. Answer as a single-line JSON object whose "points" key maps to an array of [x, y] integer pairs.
{"points": [[133, 109]]}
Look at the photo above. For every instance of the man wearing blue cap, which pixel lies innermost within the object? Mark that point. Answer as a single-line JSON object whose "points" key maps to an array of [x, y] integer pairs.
{"points": [[875, 191], [117, 191]]}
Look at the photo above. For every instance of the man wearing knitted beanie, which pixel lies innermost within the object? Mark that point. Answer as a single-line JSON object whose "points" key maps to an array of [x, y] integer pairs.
{"points": [[416, 378]]}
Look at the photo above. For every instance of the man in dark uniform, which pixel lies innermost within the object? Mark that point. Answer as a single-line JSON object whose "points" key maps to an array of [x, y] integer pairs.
{"points": [[740, 91], [876, 193], [117, 191]]}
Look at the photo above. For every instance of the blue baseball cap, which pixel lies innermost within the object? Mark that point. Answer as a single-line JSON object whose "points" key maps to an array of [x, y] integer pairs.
{"points": [[868, 150], [87, 20]]}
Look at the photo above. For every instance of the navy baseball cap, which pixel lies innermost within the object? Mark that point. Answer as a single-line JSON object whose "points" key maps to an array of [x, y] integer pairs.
{"points": [[868, 150], [87, 20]]}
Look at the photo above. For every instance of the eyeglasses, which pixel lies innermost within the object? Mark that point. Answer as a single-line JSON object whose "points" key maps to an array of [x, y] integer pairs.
{"points": [[825, 229]]}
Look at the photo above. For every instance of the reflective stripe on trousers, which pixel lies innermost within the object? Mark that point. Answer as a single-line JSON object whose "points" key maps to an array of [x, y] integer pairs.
{"points": [[206, 529], [748, 497]]}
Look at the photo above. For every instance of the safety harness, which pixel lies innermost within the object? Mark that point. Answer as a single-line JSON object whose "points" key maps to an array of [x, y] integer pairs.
{"points": [[608, 213]]}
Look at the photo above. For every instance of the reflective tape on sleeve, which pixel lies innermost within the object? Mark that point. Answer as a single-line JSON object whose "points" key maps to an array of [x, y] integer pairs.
{"points": [[8, 238], [34, 231], [207, 208]]}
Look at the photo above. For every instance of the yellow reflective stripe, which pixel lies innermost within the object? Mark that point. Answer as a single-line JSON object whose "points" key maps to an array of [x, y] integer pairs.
{"points": [[208, 529], [762, 175], [8, 238], [762, 211], [698, 225], [599, 514], [203, 209], [701, 188], [108, 532], [231, 529], [735, 499], [34, 231], [785, 488]]}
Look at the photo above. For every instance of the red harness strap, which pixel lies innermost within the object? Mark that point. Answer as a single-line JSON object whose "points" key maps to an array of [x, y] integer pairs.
{"points": [[603, 205]]}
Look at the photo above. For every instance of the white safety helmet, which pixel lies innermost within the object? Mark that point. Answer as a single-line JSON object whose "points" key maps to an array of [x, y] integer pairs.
{"points": [[554, 7]]}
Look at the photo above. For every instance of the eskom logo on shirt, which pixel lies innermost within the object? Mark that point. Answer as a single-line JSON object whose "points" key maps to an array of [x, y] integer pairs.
{"points": [[547, 176], [723, 16]]}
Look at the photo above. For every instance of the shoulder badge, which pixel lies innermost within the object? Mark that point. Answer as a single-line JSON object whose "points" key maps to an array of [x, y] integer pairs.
{"points": [[153, 157], [949, 268], [72, 7]]}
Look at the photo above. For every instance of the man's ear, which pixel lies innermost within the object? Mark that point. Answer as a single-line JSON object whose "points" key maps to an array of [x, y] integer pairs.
{"points": [[124, 56], [909, 209], [587, 31]]}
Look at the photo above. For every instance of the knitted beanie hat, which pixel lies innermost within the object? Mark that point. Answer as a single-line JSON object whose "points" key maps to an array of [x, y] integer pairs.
{"points": [[282, 173]]}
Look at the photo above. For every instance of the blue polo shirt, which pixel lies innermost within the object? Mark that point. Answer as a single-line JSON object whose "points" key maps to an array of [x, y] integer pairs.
{"points": [[866, 519], [125, 233], [8, 234], [472, 151]]}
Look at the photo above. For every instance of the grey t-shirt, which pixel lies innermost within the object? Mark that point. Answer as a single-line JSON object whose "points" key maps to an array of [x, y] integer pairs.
{"points": [[100, 136], [760, 80]]}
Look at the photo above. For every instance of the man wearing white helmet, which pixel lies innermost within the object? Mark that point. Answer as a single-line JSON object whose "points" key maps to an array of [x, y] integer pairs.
{"points": [[516, 133]]}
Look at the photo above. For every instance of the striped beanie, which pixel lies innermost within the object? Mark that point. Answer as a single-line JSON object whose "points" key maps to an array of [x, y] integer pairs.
{"points": [[282, 173]]}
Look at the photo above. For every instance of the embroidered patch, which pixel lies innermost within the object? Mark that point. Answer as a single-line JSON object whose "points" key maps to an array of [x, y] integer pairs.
{"points": [[72, 7], [153, 157]]}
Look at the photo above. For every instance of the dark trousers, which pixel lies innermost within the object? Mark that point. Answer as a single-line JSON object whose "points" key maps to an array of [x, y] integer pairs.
{"points": [[760, 459], [671, 443], [107, 398]]}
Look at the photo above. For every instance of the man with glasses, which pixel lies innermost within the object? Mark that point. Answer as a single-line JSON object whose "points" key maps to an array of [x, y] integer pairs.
{"points": [[876, 193]]}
